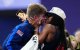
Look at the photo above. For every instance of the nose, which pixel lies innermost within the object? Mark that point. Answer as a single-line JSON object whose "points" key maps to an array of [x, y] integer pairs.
{"points": [[44, 18]]}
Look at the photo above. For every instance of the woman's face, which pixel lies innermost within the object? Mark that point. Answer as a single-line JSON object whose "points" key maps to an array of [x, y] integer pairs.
{"points": [[40, 19], [49, 19], [77, 36], [74, 43]]}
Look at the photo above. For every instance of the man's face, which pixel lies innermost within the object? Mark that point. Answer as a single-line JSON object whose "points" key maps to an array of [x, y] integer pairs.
{"points": [[40, 19]]}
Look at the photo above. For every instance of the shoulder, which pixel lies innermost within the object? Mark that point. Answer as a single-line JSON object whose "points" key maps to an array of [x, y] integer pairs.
{"points": [[49, 28]]}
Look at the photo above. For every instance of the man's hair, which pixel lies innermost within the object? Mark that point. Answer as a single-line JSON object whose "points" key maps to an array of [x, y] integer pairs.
{"points": [[35, 9]]}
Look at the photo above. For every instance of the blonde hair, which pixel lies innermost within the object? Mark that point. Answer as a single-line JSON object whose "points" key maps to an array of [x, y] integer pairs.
{"points": [[36, 9]]}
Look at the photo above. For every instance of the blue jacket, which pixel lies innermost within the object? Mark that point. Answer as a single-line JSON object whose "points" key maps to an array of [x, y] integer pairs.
{"points": [[16, 41]]}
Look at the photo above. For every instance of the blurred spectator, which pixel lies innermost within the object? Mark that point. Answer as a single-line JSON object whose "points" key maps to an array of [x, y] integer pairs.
{"points": [[71, 41], [74, 40], [77, 37]]}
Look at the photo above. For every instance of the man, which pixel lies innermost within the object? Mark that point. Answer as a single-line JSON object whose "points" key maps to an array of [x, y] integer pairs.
{"points": [[24, 31]]}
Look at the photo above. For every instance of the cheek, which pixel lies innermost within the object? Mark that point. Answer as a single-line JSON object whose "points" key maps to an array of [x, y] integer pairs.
{"points": [[74, 44], [36, 20]]}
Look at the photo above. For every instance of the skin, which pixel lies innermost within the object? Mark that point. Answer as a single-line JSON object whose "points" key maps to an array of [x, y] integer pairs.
{"points": [[47, 33]]}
